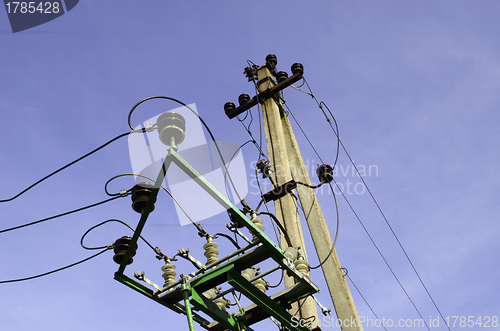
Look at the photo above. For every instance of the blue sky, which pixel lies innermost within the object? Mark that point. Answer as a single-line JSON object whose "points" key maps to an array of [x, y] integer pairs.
{"points": [[413, 85]]}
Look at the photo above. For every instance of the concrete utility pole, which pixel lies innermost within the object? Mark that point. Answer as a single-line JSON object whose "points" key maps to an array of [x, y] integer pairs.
{"points": [[287, 160], [286, 207]]}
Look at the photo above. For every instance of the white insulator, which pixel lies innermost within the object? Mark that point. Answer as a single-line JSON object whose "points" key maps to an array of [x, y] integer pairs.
{"points": [[249, 273], [291, 253], [168, 273], [209, 294], [211, 251], [258, 223], [261, 284], [302, 266], [222, 302]]}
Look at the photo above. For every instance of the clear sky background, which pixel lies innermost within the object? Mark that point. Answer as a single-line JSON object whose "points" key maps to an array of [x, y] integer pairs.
{"points": [[413, 85]]}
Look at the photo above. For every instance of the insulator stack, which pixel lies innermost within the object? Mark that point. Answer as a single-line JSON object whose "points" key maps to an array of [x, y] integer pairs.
{"points": [[302, 266], [261, 284], [209, 294], [258, 223], [221, 302], [211, 251], [249, 273], [168, 273]]}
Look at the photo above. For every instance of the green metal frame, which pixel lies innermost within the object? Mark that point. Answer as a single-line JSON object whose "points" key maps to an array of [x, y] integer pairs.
{"points": [[228, 271]]}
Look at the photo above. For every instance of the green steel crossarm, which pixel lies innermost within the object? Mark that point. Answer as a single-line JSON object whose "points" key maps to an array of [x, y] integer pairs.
{"points": [[265, 303], [211, 309], [277, 255]]}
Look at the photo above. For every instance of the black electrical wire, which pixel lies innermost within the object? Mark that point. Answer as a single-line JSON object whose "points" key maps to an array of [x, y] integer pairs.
{"points": [[279, 283], [68, 165], [110, 245], [229, 238], [282, 229], [336, 231], [229, 163], [59, 215], [198, 227], [357, 289], [202, 122], [339, 141], [54, 271]]}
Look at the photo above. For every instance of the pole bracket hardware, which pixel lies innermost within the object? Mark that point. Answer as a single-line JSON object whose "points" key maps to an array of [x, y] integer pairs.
{"points": [[280, 191]]}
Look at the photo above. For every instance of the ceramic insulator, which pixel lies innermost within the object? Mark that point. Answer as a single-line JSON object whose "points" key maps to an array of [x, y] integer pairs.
{"points": [[211, 251], [168, 273]]}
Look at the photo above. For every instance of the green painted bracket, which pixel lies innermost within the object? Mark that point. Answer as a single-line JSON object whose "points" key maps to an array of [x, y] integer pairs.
{"points": [[262, 300], [235, 279]]}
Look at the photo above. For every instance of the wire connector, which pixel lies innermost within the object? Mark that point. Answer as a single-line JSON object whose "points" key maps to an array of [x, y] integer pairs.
{"points": [[149, 127]]}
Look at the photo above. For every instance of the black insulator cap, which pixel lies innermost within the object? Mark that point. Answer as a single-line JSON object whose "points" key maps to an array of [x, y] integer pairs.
{"points": [[297, 68], [140, 196], [251, 72], [171, 125], [243, 98], [264, 167], [325, 173], [272, 60], [281, 76], [229, 106], [120, 248]]}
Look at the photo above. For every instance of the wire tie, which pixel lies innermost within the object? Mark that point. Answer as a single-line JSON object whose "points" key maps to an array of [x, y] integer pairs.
{"points": [[123, 193]]}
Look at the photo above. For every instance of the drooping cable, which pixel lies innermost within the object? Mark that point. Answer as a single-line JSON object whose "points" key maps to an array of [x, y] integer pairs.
{"points": [[229, 238], [198, 227], [54, 271], [280, 226], [60, 215], [68, 165], [110, 245]]}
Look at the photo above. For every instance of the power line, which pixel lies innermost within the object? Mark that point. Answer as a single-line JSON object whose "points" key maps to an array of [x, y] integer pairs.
{"points": [[60, 215], [54, 271], [321, 104], [373, 242], [68, 165], [357, 289]]}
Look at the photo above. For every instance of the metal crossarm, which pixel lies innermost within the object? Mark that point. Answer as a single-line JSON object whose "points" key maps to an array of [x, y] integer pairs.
{"points": [[189, 290]]}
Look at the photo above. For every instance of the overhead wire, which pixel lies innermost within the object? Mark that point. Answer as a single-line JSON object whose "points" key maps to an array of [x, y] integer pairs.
{"points": [[321, 105], [357, 289], [331, 188], [56, 270], [60, 215], [373, 242], [70, 164]]}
